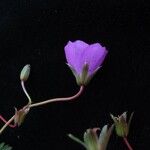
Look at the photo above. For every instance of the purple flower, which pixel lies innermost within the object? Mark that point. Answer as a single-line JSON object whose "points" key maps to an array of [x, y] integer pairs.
{"points": [[84, 59]]}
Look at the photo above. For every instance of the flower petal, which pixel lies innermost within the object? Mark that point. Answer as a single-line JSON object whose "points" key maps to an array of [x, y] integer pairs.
{"points": [[74, 54], [94, 56]]}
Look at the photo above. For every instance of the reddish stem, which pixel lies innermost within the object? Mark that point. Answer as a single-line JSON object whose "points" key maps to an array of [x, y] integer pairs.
{"points": [[127, 143], [58, 99], [5, 121]]}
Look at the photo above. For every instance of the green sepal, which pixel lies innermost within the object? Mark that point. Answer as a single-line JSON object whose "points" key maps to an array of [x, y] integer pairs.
{"points": [[130, 119], [94, 142], [75, 74], [122, 129], [91, 76], [84, 75], [20, 115], [83, 78], [91, 139], [105, 136], [121, 124]]}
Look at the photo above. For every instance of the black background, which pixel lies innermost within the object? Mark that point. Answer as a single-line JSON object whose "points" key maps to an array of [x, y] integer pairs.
{"points": [[36, 31]]}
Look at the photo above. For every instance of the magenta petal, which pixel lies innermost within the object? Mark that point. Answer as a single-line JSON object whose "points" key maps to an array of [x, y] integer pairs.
{"points": [[94, 56], [74, 54]]}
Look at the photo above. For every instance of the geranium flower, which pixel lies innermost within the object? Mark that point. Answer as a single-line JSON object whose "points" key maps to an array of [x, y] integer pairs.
{"points": [[84, 59]]}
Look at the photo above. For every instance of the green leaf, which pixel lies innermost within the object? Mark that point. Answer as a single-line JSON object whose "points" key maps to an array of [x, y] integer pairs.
{"points": [[5, 147]]}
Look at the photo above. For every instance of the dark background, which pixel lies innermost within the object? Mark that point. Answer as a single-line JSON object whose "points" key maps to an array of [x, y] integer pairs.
{"points": [[36, 31]]}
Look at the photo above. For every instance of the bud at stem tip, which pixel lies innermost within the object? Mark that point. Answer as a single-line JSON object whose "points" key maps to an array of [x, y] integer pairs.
{"points": [[25, 72]]}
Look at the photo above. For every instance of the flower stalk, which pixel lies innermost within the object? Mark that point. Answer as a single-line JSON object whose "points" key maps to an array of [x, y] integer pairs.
{"points": [[59, 99], [127, 143], [24, 75], [26, 93], [7, 124], [19, 116]]}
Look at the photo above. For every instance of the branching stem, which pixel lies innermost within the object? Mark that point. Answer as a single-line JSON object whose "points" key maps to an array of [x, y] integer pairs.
{"points": [[41, 103], [7, 123]]}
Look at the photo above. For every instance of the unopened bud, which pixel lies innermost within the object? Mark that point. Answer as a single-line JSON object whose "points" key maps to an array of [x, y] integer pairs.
{"points": [[93, 141], [25, 73]]}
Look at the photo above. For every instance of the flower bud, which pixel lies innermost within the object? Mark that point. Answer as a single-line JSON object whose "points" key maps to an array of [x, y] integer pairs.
{"points": [[121, 124], [25, 73], [93, 141]]}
